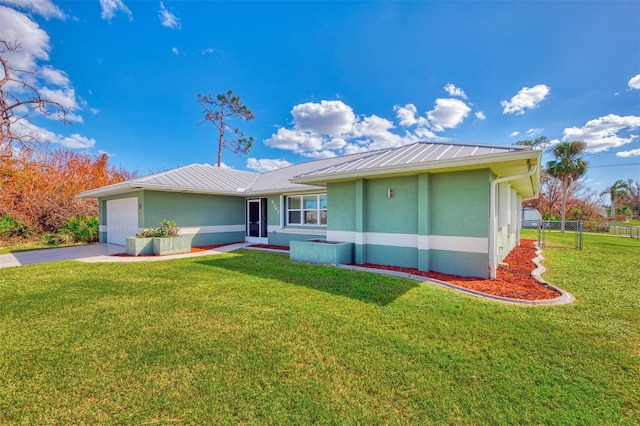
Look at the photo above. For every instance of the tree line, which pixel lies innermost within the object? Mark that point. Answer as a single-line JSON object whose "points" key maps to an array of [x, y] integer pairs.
{"points": [[39, 183], [562, 194]]}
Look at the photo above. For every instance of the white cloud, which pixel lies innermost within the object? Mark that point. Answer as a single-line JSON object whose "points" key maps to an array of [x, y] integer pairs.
{"points": [[33, 41], [111, 7], [266, 165], [207, 51], [295, 141], [44, 8], [168, 19], [480, 115], [634, 83], [77, 141], [54, 76], [408, 116], [330, 128], [374, 133], [630, 153], [455, 91], [51, 84], [422, 133], [534, 132], [602, 133], [37, 133], [328, 117], [65, 96], [514, 134], [320, 154], [526, 98], [175, 50], [447, 114]]}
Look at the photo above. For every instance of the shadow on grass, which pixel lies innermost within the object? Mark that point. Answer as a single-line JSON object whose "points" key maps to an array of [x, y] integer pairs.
{"points": [[363, 286]]}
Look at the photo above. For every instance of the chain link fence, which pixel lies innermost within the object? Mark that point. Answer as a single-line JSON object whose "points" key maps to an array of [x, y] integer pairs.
{"points": [[579, 228]]}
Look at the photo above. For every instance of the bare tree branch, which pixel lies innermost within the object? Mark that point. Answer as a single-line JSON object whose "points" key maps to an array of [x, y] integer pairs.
{"points": [[18, 98]]}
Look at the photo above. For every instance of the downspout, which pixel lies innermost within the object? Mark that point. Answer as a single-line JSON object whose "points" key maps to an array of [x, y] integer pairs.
{"points": [[492, 216]]}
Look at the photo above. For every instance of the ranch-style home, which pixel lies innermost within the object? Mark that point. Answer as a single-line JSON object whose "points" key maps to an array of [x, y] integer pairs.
{"points": [[446, 207]]}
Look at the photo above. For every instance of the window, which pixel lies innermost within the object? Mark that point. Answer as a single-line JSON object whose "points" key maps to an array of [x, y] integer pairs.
{"points": [[307, 210]]}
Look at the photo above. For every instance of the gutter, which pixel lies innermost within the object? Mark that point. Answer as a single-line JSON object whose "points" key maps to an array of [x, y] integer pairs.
{"points": [[492, 216]]}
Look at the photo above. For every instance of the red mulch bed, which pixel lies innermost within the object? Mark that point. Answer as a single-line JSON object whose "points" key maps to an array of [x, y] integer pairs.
{"points": [[193, 250], [270, 246], [515, 282]]}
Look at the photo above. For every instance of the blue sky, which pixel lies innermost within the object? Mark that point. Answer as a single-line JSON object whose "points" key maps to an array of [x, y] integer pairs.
{"points": [[329, 78]]}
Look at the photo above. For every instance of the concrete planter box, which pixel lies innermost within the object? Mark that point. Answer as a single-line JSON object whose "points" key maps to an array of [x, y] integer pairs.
{"points": [[171, 245], [167, 245], [323, 252], [139, 246]]}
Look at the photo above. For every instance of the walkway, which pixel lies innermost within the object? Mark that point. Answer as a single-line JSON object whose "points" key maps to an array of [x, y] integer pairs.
{"points": [[94, 253]]}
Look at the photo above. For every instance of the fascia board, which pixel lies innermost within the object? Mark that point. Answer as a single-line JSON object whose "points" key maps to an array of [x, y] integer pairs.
{"points": [[124, 187], [115, 189]]}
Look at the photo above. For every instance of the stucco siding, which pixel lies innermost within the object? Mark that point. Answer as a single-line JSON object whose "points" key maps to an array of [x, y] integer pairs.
{"points": [[285, 238], [405, 257], [214, 238], [460, 263], [459, 203], [341, 214], [395, 214], [207, 219], [420, 221], [192, 209], [275, 207]]}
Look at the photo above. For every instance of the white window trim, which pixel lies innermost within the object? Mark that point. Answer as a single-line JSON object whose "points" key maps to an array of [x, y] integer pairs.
{"points": [[302, 210]]}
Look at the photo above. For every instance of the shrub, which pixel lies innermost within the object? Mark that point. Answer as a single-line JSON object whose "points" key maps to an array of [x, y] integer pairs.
{"points": [[82, 229], [49, 239], [168, 228], [13, 228]]}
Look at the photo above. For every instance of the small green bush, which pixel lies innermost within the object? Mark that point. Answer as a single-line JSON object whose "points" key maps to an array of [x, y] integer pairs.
{"points": [[13, 228], [168, 228], [49, 239], [81, 229]]}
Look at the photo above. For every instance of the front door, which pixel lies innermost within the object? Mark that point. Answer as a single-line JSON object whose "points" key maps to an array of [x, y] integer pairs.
{"points": [[257, 221]]}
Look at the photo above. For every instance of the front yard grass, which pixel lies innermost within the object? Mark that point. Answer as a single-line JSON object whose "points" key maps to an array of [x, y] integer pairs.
{"points": [[250, 337]]}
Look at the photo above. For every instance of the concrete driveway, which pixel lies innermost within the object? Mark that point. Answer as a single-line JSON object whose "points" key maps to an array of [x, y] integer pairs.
{"points": [[93, 253], [57, 254]]}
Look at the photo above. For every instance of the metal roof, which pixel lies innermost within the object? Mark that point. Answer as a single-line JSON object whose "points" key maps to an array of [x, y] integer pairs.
{"points": [[199, 178], [417, 153], [422, 156], [280, 180]]}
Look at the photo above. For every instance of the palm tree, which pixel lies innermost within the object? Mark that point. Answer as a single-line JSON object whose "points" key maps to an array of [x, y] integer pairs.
{"points": [[616, 192], [568, 166]]}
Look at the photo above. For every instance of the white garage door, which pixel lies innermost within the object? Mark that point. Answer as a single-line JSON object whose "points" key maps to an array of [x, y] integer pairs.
{"points": [[122, 220]]}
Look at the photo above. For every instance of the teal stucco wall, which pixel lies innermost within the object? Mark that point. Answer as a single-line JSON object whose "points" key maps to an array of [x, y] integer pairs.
{"points": [[207, 219], [436, 221]]}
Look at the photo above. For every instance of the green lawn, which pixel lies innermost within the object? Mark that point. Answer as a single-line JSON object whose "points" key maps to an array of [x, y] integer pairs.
{"points": [[249, 337]]}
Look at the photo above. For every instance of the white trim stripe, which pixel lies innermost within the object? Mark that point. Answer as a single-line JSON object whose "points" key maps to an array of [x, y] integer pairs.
{"points": [[465, 244], [422, 242], [213, 229]]}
